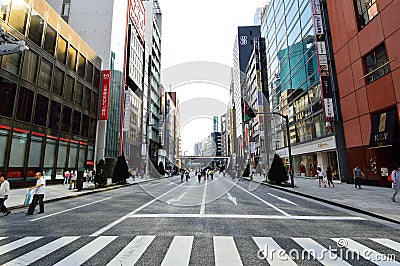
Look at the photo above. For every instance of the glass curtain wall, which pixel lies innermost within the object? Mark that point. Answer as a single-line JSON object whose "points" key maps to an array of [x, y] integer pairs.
{"points": [[293, 79]]}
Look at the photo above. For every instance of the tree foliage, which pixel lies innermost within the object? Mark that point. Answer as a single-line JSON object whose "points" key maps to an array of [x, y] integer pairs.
{"points": [[121, 171], [100, 179], [277, 172]]}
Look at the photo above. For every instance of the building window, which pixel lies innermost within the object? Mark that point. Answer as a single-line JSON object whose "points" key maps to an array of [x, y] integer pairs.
{"points": [[11, 63], [25, 103], [35, 151], [3, 8], [62, 154], [49, 157], [89, 72], [73, 154], [19, 15], [78, 93], [36, 28], [82, 157], [61, 49], [30, 66], [72, 57], [50, 40], [42, 103], [81, 65], [66, 119], [96, 81], [76, 123], [366, 10], [17, 154], [55, 115], [85, 126], [94, 103], [69, 88], [92, 128], [86, 98], [376, 63], [45, 74], [58, 81], [7, 92]]}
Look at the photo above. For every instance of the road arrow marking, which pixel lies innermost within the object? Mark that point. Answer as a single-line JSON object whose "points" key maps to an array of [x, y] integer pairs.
{"points": [[232, 199], [283, 199], [178, 199]]}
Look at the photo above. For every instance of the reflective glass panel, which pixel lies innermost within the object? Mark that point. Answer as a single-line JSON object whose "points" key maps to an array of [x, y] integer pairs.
{"points": [[30, 66], [19, 15], [36, 28], [25, 103]]}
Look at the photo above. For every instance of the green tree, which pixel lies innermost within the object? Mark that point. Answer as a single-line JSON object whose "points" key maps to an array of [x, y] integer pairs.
{"points": [[277, 173], [100, 180], [121, 171]]}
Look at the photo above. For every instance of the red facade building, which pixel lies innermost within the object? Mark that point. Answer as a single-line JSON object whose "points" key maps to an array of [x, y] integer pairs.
{"points": [[366, 46]]}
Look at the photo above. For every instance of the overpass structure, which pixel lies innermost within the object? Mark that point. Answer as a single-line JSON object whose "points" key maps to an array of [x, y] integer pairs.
{"points": [[193, 161]]}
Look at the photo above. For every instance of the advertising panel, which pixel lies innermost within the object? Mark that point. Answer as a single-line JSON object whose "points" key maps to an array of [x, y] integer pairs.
{"points": [[105, 94]]}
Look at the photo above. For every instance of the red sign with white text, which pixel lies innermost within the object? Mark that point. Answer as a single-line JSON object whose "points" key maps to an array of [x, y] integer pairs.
{"points": [[105, 94], [137, 16]]}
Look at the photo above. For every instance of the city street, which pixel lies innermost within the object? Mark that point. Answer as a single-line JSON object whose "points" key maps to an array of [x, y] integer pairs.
{"points": [[214, 222]]}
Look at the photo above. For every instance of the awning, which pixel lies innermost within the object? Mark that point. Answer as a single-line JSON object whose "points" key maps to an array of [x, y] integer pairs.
{"points": [[382, 131]]}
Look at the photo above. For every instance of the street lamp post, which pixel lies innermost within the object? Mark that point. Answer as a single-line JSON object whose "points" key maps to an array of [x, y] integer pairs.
{"points": [[288, 141]]}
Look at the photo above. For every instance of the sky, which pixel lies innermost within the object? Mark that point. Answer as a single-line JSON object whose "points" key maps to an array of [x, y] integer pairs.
{"points": [[202, 31]]}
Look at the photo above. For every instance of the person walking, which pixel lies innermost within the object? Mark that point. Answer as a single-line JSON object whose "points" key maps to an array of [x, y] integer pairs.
{"points": [[4, 191], [67, 174], [321, 175], [329, 176], [357, 176], [212, 174], [38, 196], [395, 182], [74, 177]]}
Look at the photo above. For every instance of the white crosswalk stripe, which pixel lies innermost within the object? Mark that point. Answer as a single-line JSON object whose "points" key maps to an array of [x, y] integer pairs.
{"points": [[17, 244], [387, 243], [225, 251], [132, 252], [86, 252], [365, 252], [320, 253], [180, 250], [269, 250], [41, 252]]}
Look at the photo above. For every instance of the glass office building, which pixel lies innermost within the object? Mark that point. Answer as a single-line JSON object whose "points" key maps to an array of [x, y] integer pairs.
{"points": [[49, 103], [294, 87]]}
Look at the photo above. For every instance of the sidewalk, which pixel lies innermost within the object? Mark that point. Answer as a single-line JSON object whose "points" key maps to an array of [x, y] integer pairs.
{"points": [[58, 192], [370, 200]]}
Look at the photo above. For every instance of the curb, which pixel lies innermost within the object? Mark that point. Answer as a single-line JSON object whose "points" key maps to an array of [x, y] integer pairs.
{"points": [[81, 194], [329, 202]]}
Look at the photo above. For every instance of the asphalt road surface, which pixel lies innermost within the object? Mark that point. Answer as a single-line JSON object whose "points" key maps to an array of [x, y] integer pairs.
{"points": [[213, 222]]}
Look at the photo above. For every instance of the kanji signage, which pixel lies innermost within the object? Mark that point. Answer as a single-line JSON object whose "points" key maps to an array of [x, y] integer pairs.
{"points": [[105, 94]]}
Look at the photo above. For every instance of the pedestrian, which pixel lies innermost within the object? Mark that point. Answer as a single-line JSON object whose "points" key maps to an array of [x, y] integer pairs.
{"points": [[4, 191], [38, 194], [85, 175], [199, 175], [212, 174], [321, 176], [74, 177], [395, 182], [93, 175], [329, 176], [182, 175], [66, 177], [187, 174], [264, 173], [357, 176]]}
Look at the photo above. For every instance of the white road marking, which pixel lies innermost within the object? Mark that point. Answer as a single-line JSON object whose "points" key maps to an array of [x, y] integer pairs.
{"points": [[320, 253], [43, 251], [179, 251], [283, 199], [87, 251], [132, 252], [269, 250], [203, 202], [260, 199], [17, 244], [238, 216], [46, 216], [177, 199], [365, 252], [233, 199], [387, 243], [111, 225], [225, 251], [3, 237]]}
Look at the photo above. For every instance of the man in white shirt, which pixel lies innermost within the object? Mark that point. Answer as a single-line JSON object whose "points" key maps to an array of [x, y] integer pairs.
{"points": [[39, 191], [4, 191]]}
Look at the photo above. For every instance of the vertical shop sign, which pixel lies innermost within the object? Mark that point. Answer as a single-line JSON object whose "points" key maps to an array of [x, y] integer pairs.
{"points": [[323, 65], [105, 94]]}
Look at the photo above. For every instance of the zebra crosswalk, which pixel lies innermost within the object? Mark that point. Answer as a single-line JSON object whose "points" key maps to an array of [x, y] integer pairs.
{"points": [[179, 250]]}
